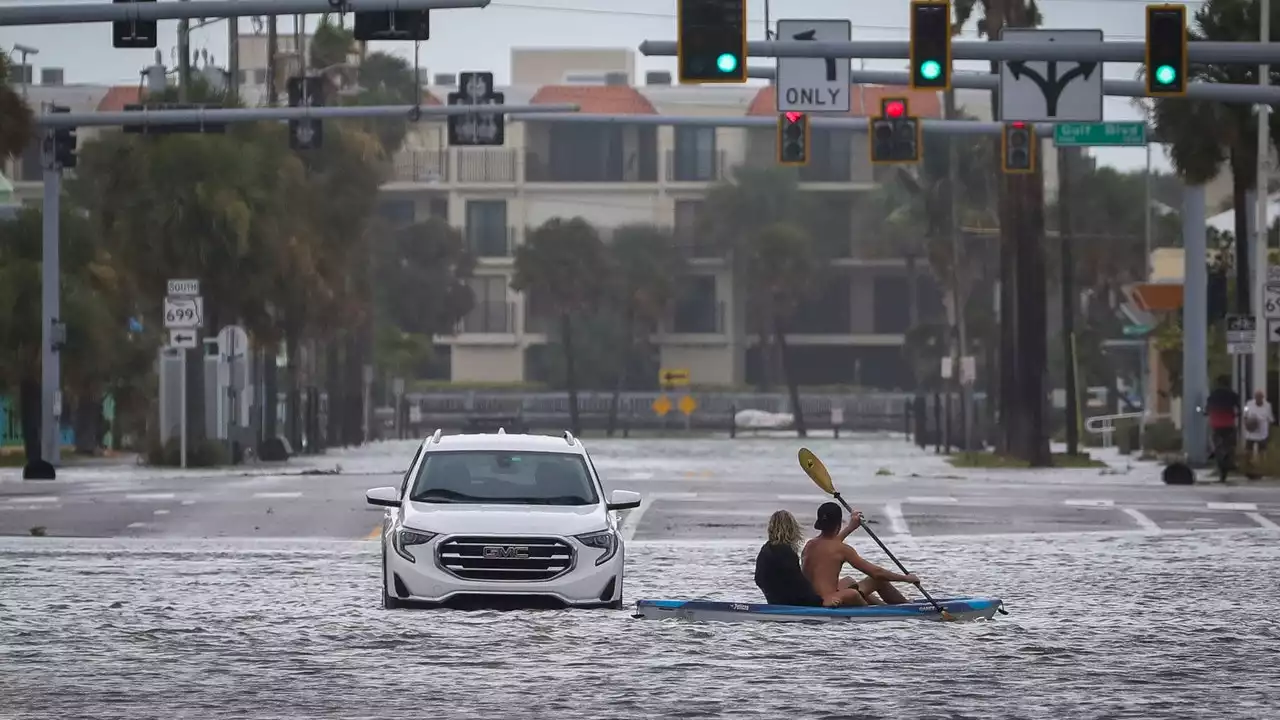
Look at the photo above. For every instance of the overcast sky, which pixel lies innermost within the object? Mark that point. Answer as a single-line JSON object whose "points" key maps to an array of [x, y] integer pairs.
{"points": [[475, 39]]}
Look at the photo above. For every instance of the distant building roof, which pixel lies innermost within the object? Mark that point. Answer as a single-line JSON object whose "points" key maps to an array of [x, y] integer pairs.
{"points": [[119, 96], [596, 99]]}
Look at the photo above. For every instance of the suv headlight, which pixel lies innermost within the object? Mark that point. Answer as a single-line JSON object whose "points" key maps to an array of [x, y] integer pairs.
{"points": [[606, 540], [402, 539]]}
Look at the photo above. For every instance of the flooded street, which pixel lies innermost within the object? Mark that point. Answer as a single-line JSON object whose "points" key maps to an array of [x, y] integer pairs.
{"points": [[1128, 599]]}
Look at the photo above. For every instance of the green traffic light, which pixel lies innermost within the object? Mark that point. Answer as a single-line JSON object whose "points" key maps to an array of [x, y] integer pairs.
{"points": [[930, 70], [727, 62], [1165, 74]]}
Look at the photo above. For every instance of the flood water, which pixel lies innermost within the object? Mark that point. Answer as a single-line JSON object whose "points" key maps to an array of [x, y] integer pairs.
{"points": [[1175, 625]]}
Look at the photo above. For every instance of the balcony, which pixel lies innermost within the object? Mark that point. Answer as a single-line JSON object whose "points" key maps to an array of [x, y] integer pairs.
{"points": [[490, 242], [589, 168], [697, 320], [493, 318], [697, 167], [486, 165], [420, 166]]}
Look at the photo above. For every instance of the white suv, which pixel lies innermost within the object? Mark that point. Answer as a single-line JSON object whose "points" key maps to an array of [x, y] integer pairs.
{"points": [[505, 518]]}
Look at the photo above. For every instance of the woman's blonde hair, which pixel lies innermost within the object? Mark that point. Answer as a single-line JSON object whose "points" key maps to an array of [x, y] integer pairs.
{"points": [[784, 529]]}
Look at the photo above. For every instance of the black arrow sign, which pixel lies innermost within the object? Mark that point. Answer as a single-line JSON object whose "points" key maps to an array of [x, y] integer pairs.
{"points": [[831, 62], [670, 377], [1052, 86]]}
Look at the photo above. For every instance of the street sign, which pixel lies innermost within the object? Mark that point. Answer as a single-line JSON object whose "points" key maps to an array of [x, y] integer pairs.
{"points": [[487, 128], [183, 287], [183, 312], [1240, 348], [813, 84], [837, 416], [233, 342], [1272, 299], [1051, 90], [1273, 330], [183, 339], [1241, 329], [673, 377], [687, 405], [662, 405], [1091, 134], [968, 370], [397, 386]]}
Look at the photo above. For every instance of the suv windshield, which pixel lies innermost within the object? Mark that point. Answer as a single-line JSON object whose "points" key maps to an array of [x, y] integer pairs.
{"points": [[527, 478]]}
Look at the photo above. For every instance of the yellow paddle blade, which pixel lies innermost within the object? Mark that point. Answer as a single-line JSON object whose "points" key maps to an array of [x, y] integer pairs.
{"points": [[816, 471]]}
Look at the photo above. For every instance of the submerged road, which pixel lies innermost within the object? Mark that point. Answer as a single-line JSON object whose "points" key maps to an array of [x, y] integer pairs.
{"points": [[694, 490]]}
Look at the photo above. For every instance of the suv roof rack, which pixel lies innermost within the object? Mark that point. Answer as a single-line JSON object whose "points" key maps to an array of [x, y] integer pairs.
{"points": [[502, 431], [568, 437], [435, 438]]}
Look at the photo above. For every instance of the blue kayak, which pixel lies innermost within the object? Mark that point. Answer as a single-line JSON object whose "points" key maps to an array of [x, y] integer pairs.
{"points": [[973, 608]]}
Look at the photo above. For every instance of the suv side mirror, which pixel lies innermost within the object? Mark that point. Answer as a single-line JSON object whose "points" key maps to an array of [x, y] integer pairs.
{"points": [[624, 500], [383, 496]]}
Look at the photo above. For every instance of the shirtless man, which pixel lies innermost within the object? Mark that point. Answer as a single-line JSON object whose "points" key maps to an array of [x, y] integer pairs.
{"points": [[824, 557]]}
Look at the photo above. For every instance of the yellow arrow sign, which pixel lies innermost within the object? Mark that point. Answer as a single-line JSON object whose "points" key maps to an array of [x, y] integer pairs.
{"points": [[673, 377], [662, 405], [688, 404]]}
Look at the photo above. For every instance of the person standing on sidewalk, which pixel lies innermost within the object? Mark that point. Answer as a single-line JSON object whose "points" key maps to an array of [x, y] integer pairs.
{"points": [[1258, 419]]}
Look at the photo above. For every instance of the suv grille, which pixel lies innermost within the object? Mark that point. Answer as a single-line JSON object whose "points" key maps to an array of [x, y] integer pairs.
{"points": [[517, 559]]}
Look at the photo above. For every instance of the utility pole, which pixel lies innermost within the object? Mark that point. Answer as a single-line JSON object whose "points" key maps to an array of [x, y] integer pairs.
{"points": [[1262, 225], [184, 60], [959, 296], [1068, 298], [233, 60], [50, 301], [273, 40]]}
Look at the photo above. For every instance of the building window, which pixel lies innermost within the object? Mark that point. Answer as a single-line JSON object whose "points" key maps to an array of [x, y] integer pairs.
{"points": [[260, 77], [695, 154], [688, 234], [491, 312], [892, 305], [697, 310], [397, 213], [832, 157], [487, 231]]}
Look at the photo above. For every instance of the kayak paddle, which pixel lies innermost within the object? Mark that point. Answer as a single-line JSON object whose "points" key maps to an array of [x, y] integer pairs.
{"points": [[817, 472]]}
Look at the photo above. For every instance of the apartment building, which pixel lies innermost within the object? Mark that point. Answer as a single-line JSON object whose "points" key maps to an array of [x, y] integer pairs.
{"points": [[610, 175]]}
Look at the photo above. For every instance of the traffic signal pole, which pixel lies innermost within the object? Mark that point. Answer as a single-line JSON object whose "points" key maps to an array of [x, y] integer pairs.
{"points": [[1262, 226], [69, 14], [50, 361]]}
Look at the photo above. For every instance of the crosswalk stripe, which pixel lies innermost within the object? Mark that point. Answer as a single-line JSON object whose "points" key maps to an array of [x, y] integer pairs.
{"points": [[1262, 520], [1143, 521], [32, 499], [277, 495], [931, 500], [1231, 506], [149, 496], [1075, 502]]}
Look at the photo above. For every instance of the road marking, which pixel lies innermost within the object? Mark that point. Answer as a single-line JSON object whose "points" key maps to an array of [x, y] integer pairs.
{"points": [[1143, 521], [1075, 502], [897, 523], [277, 495], [801, 498], [149, 496], [39, 506], [1231, 506], [160, 512], [188, 502], [375, 534], [632, 521], [32, 499], [674, 496], [136, 525], [931, 500], [1262, 520]]}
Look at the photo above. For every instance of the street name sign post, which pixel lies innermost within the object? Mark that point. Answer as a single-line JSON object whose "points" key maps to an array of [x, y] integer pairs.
{"points": [[1100, 134], [814, 84]]}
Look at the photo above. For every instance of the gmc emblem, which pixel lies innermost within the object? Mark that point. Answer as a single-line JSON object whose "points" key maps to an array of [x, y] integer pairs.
{"points": [[498, 552]]}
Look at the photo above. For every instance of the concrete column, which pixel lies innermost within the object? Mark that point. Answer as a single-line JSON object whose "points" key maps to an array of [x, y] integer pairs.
{"points": [[1195, 345]]}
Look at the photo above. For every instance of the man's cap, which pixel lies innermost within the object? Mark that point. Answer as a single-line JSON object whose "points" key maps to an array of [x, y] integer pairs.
{"points": [[828, 512]]}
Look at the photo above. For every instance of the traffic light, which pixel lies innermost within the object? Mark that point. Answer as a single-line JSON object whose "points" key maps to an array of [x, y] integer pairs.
{"points": [[1166, 50], [930, 44], [306, 92], [64, 142], [793, 138], [1018, 148], [894, 135], [133, 33], [392, 25], [712, 45]]}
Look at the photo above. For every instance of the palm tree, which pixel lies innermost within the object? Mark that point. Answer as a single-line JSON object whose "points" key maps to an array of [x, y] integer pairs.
{"points": [[646, 261], [1202, 136], [563, 267], [16, 122]]}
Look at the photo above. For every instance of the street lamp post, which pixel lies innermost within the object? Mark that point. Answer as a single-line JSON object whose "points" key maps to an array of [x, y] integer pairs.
{"points": [[25, 50]]}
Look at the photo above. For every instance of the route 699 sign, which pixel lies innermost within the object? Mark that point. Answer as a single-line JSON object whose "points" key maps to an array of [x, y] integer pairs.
{"points": [[183, 312], [1272, 298]]}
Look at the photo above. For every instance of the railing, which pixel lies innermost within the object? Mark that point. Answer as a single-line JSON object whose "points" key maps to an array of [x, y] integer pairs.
{"points": [[1105, 425], [704, 320], [490, 242], [489, 319], [538, 168], [425, 166], [486, 165], [696, 167]]}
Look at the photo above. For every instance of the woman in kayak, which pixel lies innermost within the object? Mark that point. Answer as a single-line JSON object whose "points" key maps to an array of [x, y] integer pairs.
{"points": [[778, 572]]}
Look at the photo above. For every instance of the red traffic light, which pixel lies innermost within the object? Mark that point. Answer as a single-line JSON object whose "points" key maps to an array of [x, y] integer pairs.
{"points": [[794, 117], [1019, 125], [895, 109]]}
